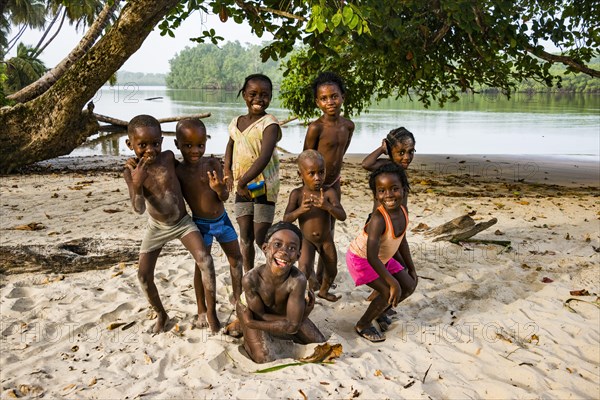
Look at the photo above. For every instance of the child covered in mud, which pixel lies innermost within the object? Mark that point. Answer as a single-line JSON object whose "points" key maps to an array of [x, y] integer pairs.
{"points": [[153, 187], [274, 302], [313, 206], [205, 190]]}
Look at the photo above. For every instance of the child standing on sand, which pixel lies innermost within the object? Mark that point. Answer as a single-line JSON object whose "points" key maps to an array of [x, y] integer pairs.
{"points": [[314, 206], [203, 188], [153, 185], [330, 134], [251, 158], [377, 255]]}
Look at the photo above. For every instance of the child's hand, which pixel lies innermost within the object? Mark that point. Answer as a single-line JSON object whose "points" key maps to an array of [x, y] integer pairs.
{"points": [[228, 179], [320, 201], [395, 293], [135, 171], [243, 191], [215, 182], [384, 146], [306, 203]]}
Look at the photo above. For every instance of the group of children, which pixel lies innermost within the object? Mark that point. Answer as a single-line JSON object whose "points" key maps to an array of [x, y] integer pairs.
{"points": [[276, 298]]}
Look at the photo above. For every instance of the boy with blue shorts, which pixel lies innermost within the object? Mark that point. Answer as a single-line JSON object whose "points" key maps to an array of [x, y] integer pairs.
{"points": [[205, 190]]}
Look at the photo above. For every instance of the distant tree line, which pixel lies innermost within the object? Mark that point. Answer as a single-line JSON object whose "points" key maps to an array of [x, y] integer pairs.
{"points": [[140, 78], [208, 66]]}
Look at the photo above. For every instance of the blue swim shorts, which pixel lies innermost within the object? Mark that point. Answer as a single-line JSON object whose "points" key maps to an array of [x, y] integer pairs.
{"points": [[220, 228]]}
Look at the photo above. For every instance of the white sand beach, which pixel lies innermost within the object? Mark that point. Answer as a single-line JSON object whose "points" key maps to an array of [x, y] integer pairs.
{"points": [[485, 322]]}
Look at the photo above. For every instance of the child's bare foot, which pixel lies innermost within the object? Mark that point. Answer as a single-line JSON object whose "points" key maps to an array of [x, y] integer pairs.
{"points": [[161, 323], [213, 323], [234, 329], [201, 321], [328, 296]]}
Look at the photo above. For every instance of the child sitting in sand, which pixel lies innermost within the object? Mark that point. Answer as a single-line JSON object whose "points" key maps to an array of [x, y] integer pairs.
{"points": [[203, 188], [330, 135], [313, 206], [153, 185], [377, 255], [273, 302]]}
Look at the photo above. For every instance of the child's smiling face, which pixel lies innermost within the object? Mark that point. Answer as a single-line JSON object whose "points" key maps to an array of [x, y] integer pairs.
{"points": [[192, 143], [329, 99], [402, 153], [257, 96], [282, 251], [146, 142], [389, 191]]}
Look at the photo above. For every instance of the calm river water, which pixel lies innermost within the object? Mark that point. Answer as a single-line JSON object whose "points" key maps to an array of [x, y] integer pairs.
{"points": [[558, 124]]}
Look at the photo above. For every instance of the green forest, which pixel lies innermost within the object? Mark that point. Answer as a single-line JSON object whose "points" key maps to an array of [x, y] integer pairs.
{"points": [[208, 66], [140, 78]]}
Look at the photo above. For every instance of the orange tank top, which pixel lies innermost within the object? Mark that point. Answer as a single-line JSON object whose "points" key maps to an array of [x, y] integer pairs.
{"points": [[388, 244]]}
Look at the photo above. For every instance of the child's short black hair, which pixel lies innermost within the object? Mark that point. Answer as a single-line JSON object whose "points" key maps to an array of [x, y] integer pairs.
{"points": [[283, 225], [398, 135], [142, 121], [260, 77], [389, 168], [188, 123], [326, 78]]}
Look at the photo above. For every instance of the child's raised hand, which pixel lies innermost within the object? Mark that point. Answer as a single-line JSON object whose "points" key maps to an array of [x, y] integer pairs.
{"points": [[214, 181], [136, 171], [320, 201], [384, 146]]}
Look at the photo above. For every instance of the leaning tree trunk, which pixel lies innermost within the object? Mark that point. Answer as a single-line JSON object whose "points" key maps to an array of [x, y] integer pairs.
{"points": [[54, 123], [38, 87]]}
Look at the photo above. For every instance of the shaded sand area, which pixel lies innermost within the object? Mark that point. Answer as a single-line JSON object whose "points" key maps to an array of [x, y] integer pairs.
{"points": [[486, 321]]}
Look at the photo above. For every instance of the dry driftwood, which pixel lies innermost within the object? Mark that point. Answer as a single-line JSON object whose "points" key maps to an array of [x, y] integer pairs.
{"points": [[73, 256], [120, 122], [461, 229]]}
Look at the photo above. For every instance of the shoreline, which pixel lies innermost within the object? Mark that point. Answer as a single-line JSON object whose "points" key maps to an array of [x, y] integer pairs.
{"points": [[560, 170]]}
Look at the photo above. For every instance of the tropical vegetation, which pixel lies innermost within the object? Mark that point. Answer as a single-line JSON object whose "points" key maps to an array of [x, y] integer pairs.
{"points": [[436, 49], [209, 66]]}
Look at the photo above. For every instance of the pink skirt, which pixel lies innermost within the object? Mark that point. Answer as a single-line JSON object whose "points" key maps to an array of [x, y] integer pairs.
{"points": [[361, 271]]}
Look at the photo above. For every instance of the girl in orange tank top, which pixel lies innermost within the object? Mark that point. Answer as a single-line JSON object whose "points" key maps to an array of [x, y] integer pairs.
{"points": [[379, 256]]}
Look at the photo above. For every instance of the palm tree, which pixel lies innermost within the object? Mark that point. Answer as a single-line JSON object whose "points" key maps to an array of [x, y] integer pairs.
{"points": [[23, 69], [23, 13]]}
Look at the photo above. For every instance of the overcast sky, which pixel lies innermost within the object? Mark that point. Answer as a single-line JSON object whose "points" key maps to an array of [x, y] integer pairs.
{"points": [[155, 53]]}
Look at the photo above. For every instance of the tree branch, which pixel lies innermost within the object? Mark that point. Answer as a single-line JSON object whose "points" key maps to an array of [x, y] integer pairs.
{"points": [[544, 55]]}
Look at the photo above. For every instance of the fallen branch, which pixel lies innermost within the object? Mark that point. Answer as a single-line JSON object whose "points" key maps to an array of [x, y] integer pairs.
{"points": [[504, 243], [462, 236], [120, 122]]}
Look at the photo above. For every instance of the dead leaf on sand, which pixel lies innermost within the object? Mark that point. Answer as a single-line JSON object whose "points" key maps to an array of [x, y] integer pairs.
{"points": [[420, 228], [32, 226], [581, 292], [323, 353], [498, 232], [111, 210], [547, 280]]}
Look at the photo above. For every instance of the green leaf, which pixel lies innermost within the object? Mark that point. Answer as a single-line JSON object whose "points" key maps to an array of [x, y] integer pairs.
{"points": [[347, 14], [337, 18], [353, 22]]}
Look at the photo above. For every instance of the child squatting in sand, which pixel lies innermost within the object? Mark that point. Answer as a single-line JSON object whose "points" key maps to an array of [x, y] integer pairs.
{"points": [[330, 134], [273, 303], [378, 256], [153, 186], [204, 189], [313, 206]]}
